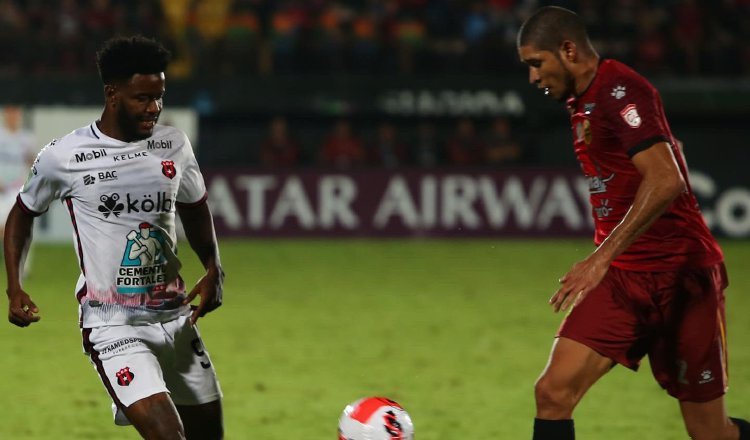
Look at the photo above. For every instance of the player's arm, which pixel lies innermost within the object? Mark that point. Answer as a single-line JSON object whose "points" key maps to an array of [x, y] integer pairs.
{"points": [[199, 230], [21, 309], [661, 183]]}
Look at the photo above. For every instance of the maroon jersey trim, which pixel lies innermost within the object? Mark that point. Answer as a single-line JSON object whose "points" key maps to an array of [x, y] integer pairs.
{"points": [[646, 144], [26, 209], [195, 204]]}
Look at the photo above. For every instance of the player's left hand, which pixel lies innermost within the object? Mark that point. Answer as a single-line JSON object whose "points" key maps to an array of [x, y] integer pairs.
{"points": [[583, 277], [210, 288]]}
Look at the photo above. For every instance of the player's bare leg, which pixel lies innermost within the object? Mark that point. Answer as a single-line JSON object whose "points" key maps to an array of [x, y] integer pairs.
{"points": [[709, 420], [202, 422], [571, 370], [156, 418]]}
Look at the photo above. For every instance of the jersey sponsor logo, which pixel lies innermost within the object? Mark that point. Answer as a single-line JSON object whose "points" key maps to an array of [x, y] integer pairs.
{"points": [[579, 132], [603, 210], [163, 202], [587, 131], [106, 176], [598, 185], [124, 377], [91, 155], [110, 205], [88, 179], [168, 169], [128, 156], [618, 92], [121, 345], [142, 268], [583, 132], [159, 145], [630, 116]]}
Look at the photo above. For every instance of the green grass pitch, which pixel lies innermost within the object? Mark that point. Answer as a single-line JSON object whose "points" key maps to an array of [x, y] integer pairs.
{"points": [[457, 331]]}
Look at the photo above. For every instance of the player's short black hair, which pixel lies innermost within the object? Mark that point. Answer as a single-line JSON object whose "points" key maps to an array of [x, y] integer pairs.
{"points": [[549, 26], [122, 57]]}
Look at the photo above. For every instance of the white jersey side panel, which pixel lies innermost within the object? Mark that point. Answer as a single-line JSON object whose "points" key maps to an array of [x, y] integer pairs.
{"points": [[122, 199]]}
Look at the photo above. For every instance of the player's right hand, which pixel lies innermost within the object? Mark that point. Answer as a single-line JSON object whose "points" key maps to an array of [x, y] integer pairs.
{"points": [[21, 309]]}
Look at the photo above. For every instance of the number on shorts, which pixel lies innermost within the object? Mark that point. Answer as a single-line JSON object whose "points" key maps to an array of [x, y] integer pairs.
{"points": [[198, 350]]}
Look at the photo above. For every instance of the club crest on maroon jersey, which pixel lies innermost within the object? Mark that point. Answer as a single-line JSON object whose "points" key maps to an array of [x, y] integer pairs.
{"points": [[168, 169], [124, 377]]}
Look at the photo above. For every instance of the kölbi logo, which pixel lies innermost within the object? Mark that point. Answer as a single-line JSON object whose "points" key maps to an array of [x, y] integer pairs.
{"points": [[162, 203], [93, 154]]}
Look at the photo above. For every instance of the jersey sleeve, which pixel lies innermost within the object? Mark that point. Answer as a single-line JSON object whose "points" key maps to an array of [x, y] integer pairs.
{"points": [[637, 118], [47, 181], [192, 189]]}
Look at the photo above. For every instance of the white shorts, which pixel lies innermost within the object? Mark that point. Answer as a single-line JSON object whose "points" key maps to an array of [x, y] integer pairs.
{"points": [[135, 362]]}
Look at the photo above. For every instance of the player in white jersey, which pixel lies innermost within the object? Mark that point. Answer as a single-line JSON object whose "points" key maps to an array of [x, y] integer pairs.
{"points": [[17, 150], [123, 178]]}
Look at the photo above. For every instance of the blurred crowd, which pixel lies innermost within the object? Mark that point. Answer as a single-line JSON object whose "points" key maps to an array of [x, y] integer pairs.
{"points": [[264, 37], [388, 145]]}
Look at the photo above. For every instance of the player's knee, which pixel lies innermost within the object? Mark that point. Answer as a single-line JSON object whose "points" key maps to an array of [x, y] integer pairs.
{"points": [[552, 398], [703, 430]]}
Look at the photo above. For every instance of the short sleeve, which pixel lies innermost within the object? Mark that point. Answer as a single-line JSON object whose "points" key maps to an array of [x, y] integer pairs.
{"points": [[636, 114], [47, 181], [192, 189]]}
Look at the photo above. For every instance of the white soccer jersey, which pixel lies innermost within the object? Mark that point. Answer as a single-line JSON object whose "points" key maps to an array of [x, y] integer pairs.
{"points": [[122, 199]]}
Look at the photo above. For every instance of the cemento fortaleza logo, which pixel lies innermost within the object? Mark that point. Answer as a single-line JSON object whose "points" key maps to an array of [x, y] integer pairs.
{"points": [[90, 155], [160, 202], [142, 269]]}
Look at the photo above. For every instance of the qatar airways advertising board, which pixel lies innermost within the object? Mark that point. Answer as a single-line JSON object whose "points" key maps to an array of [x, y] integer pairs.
{"points": [[539, 202]]}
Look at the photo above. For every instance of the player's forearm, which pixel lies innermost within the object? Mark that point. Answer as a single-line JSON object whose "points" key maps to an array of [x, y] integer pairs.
{"points": [[18, 230], [653, 197], [199, 230]]}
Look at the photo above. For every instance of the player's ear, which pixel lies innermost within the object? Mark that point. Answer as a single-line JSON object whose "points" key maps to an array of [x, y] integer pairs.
{"points": [[569, 51], [110, 94]]}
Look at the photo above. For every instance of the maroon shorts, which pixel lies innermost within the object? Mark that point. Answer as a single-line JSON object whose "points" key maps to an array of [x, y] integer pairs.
{"points": [[677, 318]]}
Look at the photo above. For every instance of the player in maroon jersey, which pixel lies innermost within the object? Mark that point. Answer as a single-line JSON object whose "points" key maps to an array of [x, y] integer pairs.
{"points": [[654, 284]]}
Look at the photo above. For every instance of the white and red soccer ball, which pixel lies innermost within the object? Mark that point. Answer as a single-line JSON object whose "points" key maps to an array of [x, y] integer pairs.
{"points": [[375, 418]]}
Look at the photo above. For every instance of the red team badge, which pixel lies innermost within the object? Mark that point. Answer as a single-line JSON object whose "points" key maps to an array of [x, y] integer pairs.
{"points": [[124, 377], [631, 116], [167, 168]]}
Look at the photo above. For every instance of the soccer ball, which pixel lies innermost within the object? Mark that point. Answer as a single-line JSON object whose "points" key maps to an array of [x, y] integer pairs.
{"points": [[375, 418]]}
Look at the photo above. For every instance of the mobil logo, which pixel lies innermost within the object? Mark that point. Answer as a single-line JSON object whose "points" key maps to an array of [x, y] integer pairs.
{"points": [[90, 155]]}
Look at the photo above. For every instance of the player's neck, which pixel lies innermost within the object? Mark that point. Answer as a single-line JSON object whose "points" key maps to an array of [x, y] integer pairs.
{"points": [[586, 75], [109, 127]]}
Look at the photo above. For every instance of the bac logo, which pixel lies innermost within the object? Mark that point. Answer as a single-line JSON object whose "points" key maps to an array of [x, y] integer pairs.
{"points": [[124, 377], [88, 179], [105, 176]]}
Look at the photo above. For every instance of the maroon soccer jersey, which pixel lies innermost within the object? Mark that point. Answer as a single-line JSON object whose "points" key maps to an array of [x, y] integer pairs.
{"points": [[619, 115]]}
